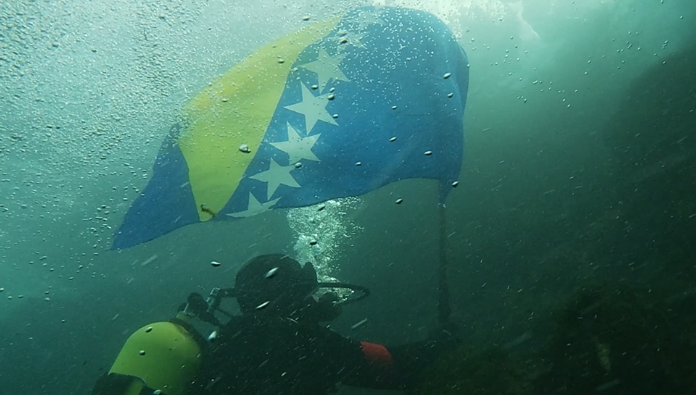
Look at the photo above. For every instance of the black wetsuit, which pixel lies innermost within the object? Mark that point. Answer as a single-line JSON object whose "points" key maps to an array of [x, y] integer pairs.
{"points": [[274, 356]]}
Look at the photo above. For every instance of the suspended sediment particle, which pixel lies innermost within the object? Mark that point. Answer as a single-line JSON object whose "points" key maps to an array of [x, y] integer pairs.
{"points": [[271, 272], [359, 324]]}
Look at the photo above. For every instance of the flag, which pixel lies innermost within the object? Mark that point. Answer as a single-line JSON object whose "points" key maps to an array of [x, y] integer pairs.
{"points": [[337, 109]]}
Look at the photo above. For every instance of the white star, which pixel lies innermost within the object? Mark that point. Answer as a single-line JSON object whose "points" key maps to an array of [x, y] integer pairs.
{"points": [[298, 147], [275, 176], [354, 39], [313, 108], [346, 39], [326, 68], [365, 19], [255, 207]]}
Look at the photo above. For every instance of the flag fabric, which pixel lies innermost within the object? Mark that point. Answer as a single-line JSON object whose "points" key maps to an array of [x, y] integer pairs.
{"points": [[337, 109]]}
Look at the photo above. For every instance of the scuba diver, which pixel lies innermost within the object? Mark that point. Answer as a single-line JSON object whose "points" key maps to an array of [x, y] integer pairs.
{"points": [[278, 345]]}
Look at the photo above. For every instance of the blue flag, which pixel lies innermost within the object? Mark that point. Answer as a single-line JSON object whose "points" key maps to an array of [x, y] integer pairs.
{"points": [[337, 109]]}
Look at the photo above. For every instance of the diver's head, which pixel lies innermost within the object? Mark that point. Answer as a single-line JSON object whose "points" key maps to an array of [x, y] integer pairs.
{"points": [[276, 285]]}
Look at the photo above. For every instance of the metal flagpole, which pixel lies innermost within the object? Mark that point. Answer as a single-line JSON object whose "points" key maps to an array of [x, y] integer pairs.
{"points": [[443, 303]]}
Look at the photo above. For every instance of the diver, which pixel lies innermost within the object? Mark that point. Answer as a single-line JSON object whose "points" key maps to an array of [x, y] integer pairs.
{"points": [[279, 344]]}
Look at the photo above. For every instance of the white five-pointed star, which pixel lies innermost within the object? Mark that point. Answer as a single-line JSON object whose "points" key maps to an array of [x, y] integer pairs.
{"points": [[349, 39], [254, 207], [298, 147], [275, 176], [365, 19], [326, 68], [313, 108]]}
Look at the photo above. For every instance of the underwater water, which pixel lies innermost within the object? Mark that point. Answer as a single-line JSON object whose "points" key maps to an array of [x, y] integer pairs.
{"points": [[578, 183]]}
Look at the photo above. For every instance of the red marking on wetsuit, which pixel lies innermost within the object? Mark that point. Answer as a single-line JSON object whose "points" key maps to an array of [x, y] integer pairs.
{"points": [[381, 365], [377, 353]]}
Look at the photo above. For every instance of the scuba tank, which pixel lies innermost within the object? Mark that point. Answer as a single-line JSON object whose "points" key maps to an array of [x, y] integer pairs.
{"points": [[161, 358]]}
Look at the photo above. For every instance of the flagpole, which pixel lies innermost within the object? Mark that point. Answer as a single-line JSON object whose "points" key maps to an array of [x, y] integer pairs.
{"points": [[443, 302]]}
